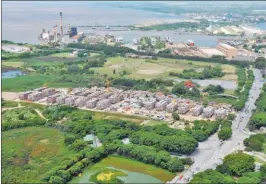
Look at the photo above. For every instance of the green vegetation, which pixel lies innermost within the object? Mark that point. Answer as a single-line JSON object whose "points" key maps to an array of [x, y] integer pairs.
{"points": [[256, 142], [243, 95], [208, 72], [28, 153], [20, 117], [212, 90], [180, 89], [226, 130], [107, 176], [127, 164], [211, 176], [172, 26], [175, 116], [260, 63], [7, 104], [258, 118], [116, 51], [236, 164], [236, 168], [151, 43]]}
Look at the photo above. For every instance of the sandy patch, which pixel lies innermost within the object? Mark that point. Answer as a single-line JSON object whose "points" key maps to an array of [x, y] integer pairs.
{"points": [[116, 66], [105, 176], [149, 72], [9, 95], [45, 141]]}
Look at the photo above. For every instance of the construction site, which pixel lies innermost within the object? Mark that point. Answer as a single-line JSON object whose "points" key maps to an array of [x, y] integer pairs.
{"points": [[156, 106]]}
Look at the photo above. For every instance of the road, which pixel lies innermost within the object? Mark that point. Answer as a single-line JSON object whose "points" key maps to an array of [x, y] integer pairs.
{"points": [[210, 153]]}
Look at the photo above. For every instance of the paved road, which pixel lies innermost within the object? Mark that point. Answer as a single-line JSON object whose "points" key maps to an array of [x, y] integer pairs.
{"points": [[210, 153]]}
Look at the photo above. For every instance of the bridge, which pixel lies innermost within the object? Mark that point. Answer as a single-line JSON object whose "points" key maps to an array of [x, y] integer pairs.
{"points": [[106, 28]]}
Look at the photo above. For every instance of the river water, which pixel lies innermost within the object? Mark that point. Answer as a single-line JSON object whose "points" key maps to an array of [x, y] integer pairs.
{"points": [[23, 21]]}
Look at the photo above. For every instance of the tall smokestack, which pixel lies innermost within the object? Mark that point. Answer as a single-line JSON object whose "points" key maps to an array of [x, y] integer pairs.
{"points": [[61, 25], [55, 32]]}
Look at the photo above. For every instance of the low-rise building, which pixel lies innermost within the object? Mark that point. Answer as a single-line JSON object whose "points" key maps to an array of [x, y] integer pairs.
{"points": [[208, 112], [220, 113], [183, 109], [92, 103], [61, 99], [197, 110], [161, 105], [150, 104], [115, 98], [36, 95], [80, 101], [172, 107], [24, 96], [103, 104], [70, 100], [52, 99]]}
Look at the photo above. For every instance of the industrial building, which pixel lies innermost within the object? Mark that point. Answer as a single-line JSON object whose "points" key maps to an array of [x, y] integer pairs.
{"points": [[229, 51]]}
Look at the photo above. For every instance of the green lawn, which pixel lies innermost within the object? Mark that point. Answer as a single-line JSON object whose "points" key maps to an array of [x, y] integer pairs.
{"points": [[28, 153], [63, 54], [154, 122], [147, 68], [133, 166]]}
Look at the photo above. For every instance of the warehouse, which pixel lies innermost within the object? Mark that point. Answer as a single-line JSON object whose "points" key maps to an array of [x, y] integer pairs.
{"points": [[52, 99], [80, 101], [36, 95], [61, 99], [24, 96]]}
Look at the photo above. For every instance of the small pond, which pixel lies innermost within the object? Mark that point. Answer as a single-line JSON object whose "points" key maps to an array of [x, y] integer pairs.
{"points": [[12, 74], [133, 177]]}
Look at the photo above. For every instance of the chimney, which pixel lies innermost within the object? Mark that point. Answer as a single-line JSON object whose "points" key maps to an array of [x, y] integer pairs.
{"points": [[55, 32], [61, 25]]}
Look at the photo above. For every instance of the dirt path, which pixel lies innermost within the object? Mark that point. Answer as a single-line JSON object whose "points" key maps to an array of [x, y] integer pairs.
{"points": [[40, 114]]}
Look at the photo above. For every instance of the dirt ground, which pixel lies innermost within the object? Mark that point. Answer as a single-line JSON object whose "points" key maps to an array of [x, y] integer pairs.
{"points": [[9, 95], [149, 72]]}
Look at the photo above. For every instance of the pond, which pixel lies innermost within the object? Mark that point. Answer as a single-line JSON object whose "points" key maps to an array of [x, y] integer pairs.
{"points": [[12, 73], [224, 83], [133, 177]]}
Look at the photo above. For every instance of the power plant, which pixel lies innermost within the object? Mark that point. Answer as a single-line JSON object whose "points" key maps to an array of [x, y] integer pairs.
{"points": [[53, 36]]}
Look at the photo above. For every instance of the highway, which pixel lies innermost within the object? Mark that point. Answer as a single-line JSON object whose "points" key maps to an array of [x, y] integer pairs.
{"points": [[210, 153]]}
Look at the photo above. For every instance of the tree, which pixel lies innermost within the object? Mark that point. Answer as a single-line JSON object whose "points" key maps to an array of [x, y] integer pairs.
{"points": [[114, 72], [78, 145], [260, 63], [225, 133], [250, 177], [175, 165], [175, 116], [238, 163], [56, 180], [211, 177]]}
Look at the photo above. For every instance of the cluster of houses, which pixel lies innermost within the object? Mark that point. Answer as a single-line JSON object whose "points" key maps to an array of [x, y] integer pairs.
{"points": [[137, 102]]}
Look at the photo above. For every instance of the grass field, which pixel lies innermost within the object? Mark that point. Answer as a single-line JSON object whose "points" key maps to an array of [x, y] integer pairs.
{"points": [[142, 68], [63, 55], [118, 162], [28, 153], [154, 122], [14, 64]]}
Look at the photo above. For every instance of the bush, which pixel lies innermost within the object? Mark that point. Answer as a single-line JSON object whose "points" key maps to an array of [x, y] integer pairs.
{"points": [[175, 116]]}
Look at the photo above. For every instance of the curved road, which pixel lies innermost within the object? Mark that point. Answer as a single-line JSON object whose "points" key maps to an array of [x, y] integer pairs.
{"points": [[210, 153]]}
